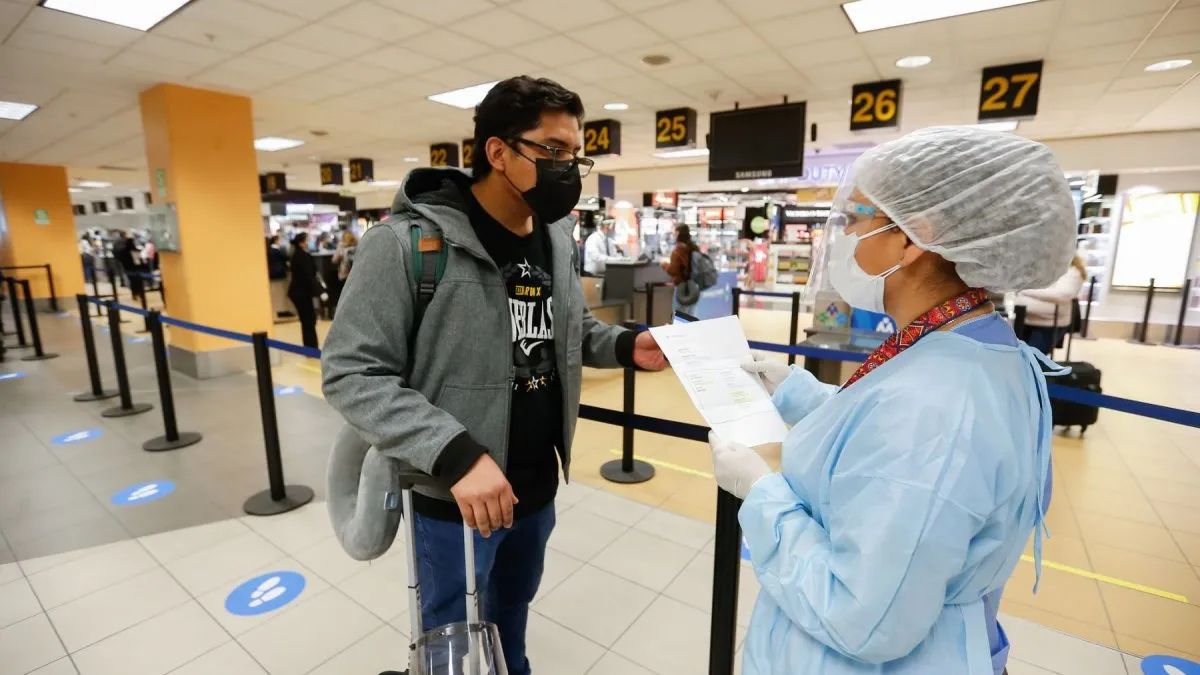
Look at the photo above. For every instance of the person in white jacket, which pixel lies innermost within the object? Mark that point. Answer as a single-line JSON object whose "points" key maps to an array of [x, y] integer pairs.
{"points": [[599, 250], [1042, 330]]}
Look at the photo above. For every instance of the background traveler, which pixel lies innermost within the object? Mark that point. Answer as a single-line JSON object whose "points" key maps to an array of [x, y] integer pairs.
{"points": [[599, 249], [679, 268], [305, 287], [1041, 331]]}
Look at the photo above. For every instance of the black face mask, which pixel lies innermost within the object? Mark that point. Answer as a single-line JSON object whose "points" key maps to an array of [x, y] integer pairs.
{"points": [[556, 191]]}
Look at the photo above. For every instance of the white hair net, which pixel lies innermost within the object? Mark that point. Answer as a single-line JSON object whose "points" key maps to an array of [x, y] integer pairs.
{"points": [[995, 204]]}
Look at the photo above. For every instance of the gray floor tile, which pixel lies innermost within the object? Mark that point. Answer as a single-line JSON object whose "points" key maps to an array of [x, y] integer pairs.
{"points": [[552, 648], [155, 647], [10, 571], [70, 513], [670, 638], [645, 559], [595, 604], [228, 659], [96, 533], [385, 649], [63, 666], [382, 588], [17, 602], [87, 574], [28, 645], [330, 561], [181, 509], [169, 546], [219, 565], [37, 490], [302, 639], [110, 610], [614, 664]]}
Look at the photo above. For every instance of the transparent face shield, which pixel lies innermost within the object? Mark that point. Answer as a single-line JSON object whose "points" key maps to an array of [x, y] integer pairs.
{"points": [[843, 212]]}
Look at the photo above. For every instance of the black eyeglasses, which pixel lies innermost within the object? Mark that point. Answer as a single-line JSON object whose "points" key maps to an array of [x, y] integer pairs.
{"points": [[560, 156]]}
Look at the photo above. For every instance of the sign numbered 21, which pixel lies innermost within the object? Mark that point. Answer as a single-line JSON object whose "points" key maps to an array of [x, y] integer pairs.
{"points": [[1011, 91], [875, 105]]}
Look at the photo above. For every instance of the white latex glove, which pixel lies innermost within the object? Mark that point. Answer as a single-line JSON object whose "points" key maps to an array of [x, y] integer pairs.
{"points": [[771, 372], [736, 466]]}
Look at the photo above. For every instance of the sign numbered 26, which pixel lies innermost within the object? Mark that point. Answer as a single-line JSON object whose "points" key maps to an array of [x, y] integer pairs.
{"points": [[675, 128], [1006, 92], [875, 105], [601, 137]]}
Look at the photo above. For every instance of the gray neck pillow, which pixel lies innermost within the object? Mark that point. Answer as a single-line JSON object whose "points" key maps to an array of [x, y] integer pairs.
{"points": [[363, 488]]}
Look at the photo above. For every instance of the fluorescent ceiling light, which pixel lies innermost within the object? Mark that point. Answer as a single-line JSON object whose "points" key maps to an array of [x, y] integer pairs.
{"points": [[385, 183], [745, 189], [137, 14], [467, 97], [682, 153], [274, 143], [1006, 125], [913, 61], [412, 159], [616, 106], [869, 15], [94, 184], [1171, 64], [74, 190], [10, 110]]}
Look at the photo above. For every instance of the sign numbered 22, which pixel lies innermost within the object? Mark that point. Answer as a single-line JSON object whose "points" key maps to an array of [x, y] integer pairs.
{"points": [[443, 154], [601, 137], [675, 128], [1010, 91], [875, 105]]}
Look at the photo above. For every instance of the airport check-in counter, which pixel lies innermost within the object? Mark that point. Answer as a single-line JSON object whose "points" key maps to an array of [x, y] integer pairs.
{"points": [[631, 283], [832, 371]]}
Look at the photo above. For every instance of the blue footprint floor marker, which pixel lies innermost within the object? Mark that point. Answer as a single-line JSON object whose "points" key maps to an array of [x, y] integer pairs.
{"points": [[265, 593], [12, 376], [288, 390], [77, 436], [1169, 665], [143, 492]]}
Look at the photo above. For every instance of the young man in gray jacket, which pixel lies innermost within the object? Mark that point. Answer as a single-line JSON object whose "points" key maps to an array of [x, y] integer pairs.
{"points": [[481, 391]]}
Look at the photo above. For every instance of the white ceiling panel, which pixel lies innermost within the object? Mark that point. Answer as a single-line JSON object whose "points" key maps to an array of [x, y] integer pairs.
{"points": [[163, 67], [688, 18], [554, 51], [439, 12], [832, 51], [631, 85], [1140, 101], [979, 54], [377, 21], [157, 46], [217, 36], [25, 38], [331, 40], [451, 77], [617, 35], [841, 75], [760, 10], [564, 16], [694, 75], [750, 64], [1076, 12], [246, 16], [292, 55], [905, 40], [1137, 65], [1143, 80], [79, 28], [400, 60], [822, 24], [305, 9], [635, 6], [445, 45], [501, 65], [599, 69], [500, 28], [723, 43], [1177, 112], [359, 72], [11, 14], [1007, 21], [258, 74], [677, 54], [1180, 21], [1082, 57], [1170, 46]]}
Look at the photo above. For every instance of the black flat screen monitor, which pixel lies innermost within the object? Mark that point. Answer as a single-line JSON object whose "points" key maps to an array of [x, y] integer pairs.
{"points": [[751, 143]]}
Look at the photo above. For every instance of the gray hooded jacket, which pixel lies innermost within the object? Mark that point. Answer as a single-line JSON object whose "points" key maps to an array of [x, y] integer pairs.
{"points": [[406, 397]]}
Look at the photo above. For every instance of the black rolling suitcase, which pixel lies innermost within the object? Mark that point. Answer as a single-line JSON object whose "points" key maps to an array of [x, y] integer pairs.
{"points": [[1084, 376]]}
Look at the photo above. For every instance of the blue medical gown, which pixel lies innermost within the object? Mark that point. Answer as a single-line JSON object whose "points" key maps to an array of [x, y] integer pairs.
{"points": [[902, 502]]}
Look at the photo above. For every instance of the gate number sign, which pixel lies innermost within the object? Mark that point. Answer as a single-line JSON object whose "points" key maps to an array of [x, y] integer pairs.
{"points": [[1009, 92], [875, 105]]}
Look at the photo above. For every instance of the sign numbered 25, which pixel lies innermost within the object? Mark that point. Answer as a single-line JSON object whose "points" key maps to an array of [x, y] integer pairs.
{"points": [[1010, 91], [875, 105], [675, 128], [601, 137]]}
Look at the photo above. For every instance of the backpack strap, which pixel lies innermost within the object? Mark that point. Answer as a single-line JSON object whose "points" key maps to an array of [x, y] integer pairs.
{"points": [[429, 255]]}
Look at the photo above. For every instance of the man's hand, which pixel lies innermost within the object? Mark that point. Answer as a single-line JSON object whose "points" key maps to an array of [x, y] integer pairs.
{"points": [[485, 497], [647, 355]]}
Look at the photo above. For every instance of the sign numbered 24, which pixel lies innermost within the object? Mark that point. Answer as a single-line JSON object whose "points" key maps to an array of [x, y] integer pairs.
{"points": [[1010, 91], [875, 105], [601, 137]]}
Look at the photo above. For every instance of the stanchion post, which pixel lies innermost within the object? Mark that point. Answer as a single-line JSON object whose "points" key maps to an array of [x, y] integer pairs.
{"points": [[96, 291], [172, 438], [727, 553], [3, 330], [650, 303], [146, 323], [795, 333], [628, 470], [1143, 330], [89, 348], [34, 333], [1087, 315], [50, 283], [737, 300], [1183, 307], [1019, 321], [16, 311], [279, 497], [127, 407]]}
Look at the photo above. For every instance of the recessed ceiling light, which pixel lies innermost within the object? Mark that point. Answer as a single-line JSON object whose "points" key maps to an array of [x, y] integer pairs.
{"points": [[1006, 125], [94, 184], [139, 15], [274, 143], [616, 106], [385, 183], [74, 190], [681, 154], [1171, 64], [745, 189], [913, 61], [467, 97], [10, 110], [869, 15], [412, 159]]}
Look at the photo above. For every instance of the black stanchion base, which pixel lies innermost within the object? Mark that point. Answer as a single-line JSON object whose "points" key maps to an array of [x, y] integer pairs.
{"points": [[261, 504], [89, 396], [43, 357], [1148, 343], [612, 471], [136, 409], [161, 444]]}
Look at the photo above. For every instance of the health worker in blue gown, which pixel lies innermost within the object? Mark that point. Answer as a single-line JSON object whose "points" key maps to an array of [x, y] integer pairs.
{"points": [[907, 495]]}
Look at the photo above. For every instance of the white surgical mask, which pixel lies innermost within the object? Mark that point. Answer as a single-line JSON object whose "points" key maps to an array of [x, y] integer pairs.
{"points": [[859, 289]]}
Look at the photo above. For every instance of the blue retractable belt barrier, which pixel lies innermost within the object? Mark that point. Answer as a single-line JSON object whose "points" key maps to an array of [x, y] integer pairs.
{"points": [[814, 352], [693, 432], [768, 294], [310, 352]]}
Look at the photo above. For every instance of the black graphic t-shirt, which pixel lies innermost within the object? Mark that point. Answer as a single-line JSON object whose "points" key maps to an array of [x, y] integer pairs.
{"points": [[535, 421]]}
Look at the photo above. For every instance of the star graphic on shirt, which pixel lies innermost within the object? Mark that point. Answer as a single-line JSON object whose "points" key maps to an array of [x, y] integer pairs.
{"points": [[524, 267], [532, 384]]}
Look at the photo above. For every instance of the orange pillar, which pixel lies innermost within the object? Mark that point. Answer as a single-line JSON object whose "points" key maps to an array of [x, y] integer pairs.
{"points": [[200, 155], [37, 227]]}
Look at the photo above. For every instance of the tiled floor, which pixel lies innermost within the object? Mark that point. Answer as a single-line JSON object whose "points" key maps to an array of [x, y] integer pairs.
{"points": [[1126, 524]]}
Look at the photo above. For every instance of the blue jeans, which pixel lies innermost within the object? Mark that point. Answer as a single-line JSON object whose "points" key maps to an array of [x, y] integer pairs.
{"points": [[686, 309], [1044, 338], [508, 571]]}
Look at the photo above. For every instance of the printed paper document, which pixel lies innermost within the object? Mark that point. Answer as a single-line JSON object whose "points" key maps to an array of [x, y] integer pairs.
{"points": [[706, 357]]}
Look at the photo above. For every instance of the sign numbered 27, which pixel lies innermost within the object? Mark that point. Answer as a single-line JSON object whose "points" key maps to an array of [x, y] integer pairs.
{"points": [[1011, 91], [875, 105], [601, 137]]}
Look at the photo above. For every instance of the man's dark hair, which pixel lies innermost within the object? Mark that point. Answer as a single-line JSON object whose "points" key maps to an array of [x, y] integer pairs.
{"points": [[515, 106]]}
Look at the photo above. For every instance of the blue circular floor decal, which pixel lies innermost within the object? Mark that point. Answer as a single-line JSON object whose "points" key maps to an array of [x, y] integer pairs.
{"points": [[265, 593], [1169, 665], [77, 436], [138, 340], [288, 391], [12, 376], [143, 492]]}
